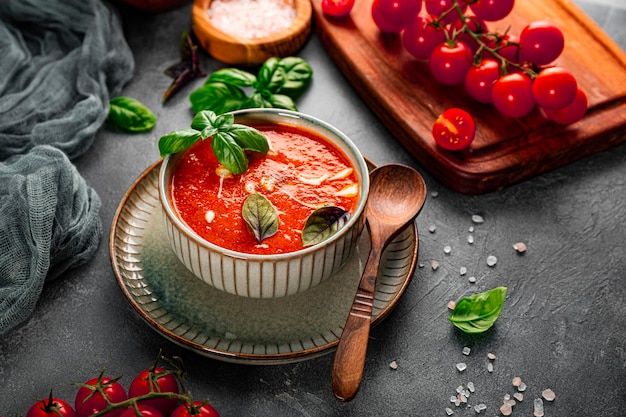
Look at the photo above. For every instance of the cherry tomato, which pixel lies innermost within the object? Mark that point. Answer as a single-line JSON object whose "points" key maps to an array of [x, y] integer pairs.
{"points": [[512, 95], [492, 10], [391, 16], [449, 63], [144, 410], [554, 88], [508, 47], [198, 409], [480, 78], [571, 113], [337, 8], [90, 401], [437, 7], [155, 380], [51, 407], [420, 37], [541, 42], [454, 129]]}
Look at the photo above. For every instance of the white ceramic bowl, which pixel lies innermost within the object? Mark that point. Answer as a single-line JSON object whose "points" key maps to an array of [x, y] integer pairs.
{"points": [[267, 276]]}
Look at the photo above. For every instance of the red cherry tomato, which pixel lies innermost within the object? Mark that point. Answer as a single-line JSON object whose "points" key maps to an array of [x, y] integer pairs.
{"points": [[492, 10], [144, 410], [512, 95], [449, 64], [155, 380], [90, 401], [555, 88], [198, 409], [480, 78], [391, 16], [337, 8], [420, 37], [454, 129], [572, 113], [437, 7], [541, 42], [51, 407], [508, 47]]}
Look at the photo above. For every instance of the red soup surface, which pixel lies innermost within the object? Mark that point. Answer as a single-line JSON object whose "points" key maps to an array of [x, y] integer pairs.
{"points": [[300, 173]]}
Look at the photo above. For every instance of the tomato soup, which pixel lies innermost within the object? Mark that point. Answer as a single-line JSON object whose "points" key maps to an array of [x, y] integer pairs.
{"points": [[300, 173]]}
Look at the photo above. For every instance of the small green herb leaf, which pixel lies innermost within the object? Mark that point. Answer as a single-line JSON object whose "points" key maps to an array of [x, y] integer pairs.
{"points": [[282, 101], [229, 153], [260, 216], [478, 312], [177, 141], [298, 76], [218, 97], [323, 223], [249, 138], [131, 115], [232, 76]]}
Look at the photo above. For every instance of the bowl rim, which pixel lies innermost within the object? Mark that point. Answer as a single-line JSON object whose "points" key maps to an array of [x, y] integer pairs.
{"points": [[301, 21], [362, 172]]}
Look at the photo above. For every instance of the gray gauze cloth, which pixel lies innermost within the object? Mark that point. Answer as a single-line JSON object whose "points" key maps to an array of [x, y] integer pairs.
{"points": [[60, 62]]}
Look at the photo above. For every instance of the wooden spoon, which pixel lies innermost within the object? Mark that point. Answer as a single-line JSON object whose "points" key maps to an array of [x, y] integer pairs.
{"points": [[397, 194]]}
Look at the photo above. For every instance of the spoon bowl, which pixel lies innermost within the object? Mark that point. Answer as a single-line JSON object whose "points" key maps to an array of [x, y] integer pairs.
{"points": [[397, 195]]}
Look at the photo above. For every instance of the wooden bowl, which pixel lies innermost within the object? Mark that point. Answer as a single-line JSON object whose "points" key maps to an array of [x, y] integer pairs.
{"points": [[251, 51]]}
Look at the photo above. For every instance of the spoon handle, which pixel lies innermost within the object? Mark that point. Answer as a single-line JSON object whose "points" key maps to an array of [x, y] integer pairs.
{"points": [[349, 358]]}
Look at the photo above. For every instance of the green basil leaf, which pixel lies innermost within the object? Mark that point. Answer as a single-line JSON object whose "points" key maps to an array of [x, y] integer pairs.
{"points": [[131, 115], [281, 101], [260, 216], [232, 76], [298, 76], [218, 97], [224, 121], [229, 153], [204, 121], [323, 223], [249, 138], [477, 313], [255, 101], [271, 76], [177, 141]]}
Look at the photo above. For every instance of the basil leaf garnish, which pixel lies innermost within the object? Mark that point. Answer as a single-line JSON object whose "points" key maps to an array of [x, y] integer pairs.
{"points": [[323, 223], [478, 312], [229, 153], [249, 138], [260, 216], [129, 114], [177, 141]]}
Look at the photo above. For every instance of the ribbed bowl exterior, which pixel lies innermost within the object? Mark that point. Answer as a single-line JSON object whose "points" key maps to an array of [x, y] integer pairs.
{"points": [[266, 276]]}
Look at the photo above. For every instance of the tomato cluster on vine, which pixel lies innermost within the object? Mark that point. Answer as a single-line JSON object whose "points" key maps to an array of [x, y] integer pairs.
{"points": [[154, 392], [514, 73]]}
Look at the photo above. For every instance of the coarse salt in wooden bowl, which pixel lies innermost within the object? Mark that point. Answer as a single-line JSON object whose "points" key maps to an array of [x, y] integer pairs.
{"points": [[248, 32]]}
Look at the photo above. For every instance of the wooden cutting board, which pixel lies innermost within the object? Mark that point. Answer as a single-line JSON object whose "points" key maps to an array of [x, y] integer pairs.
{"points": [[401, 92]]}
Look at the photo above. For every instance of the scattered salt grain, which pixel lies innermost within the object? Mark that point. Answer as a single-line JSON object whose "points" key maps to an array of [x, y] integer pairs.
{"points": [[520, 247], [490, 367], [491, 260], [461, 366], [477, 219], [434, 265], [517, 381], [538, 407], [471, 229], [470, 239], [470, 387], [472, 279], [451, 305], [432, 228], [453, 398], [480, 407], [548, 395], [463, 271], [434, 194], [460, 389], [518, 396], [447, 250], [522, 387], [449, 411], [491, 356], [393, 365], [506, 409], [466, 351]]}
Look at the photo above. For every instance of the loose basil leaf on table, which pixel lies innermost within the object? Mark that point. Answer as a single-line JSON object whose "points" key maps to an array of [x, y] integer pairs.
{"points": [[478, 312], [298, 77], [260, 216], [131, 115], [323, 223], [218, 97]]}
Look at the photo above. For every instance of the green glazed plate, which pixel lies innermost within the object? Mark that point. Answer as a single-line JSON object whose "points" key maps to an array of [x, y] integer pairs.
{"points": [[215, 324]]}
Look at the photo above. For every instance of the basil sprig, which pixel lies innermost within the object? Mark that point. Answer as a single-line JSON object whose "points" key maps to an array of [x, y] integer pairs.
{"points": [[323, 223], [277, 84], [260, 216], [230, 140], [478, 312]]}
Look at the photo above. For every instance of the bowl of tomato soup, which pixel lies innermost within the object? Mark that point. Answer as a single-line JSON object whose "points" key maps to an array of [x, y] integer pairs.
{"points": [[314, 184]]}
